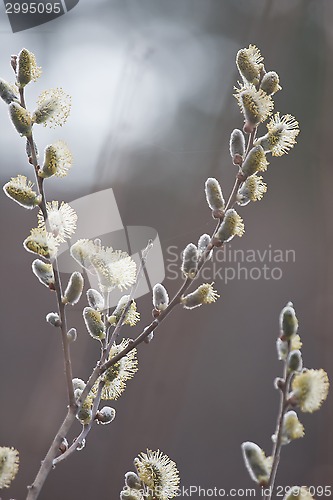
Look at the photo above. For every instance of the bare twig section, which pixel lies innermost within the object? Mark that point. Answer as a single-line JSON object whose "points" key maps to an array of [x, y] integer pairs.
{"points": [[287, 376], [47, 464]]}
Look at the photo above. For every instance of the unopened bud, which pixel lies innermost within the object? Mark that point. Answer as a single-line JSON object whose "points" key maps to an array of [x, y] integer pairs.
{"points": [[74, 289], [160, 297], [132, 480], [53, 319], [203, 243], [288, 322], [44, 272], [214, 197], [190, 261], [72, 335], [106, 415], [295, 362], [256, 463], [78, 383], [270, 83], [21, 118], [7, 92], [94, 323], [95, 299], [237, 146]]}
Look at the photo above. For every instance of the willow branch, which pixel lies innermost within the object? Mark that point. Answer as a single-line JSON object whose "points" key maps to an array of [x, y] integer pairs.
{"points": [[103, 365], [57, 284], [287, 376]]}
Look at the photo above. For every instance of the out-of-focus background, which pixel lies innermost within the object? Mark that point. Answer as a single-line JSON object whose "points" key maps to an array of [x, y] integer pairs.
{"points": [[152, 83]]}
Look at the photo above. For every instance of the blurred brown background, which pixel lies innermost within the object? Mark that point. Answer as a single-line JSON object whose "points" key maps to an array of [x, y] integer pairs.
{"points": [[152, 84]]}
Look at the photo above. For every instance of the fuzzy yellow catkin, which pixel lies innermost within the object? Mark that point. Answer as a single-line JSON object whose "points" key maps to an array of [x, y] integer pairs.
{"points": [[21, 119], [252, 189], [130, 318], [57, 161], [291, 428], [94, 323], [231, 226], [255, 161], [9, 464], [27, 68], [204, 294], [249, 63], [255, 105], [281, 135], [19, 189], [42, 243]]}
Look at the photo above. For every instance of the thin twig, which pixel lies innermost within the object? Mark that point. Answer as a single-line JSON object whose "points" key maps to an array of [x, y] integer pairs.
{"points": [[57, 284], [287, 376]]}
